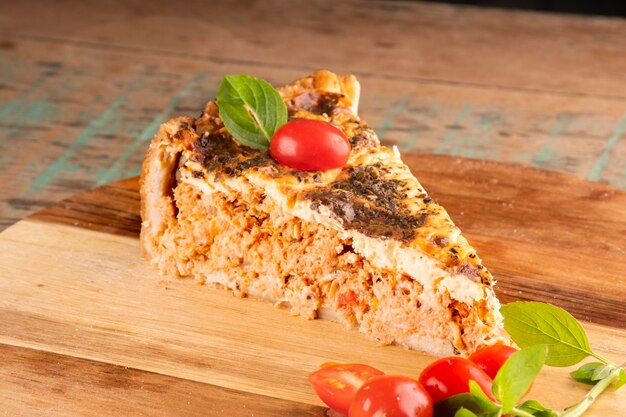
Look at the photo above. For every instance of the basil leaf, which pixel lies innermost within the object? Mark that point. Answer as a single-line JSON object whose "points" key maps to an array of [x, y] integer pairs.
{"points": [[518, 372], [584, 373], [536, 409], [602, 372], [252, 110], [621, 381], [481, 398], [477, 402], [464, 412], [449, 406], [531, 323]]}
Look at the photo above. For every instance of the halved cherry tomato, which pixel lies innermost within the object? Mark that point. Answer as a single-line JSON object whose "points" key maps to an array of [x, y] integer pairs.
{"points": [[450, 376], [336, 384], [491, 358], [391, 396], [310, 145]]}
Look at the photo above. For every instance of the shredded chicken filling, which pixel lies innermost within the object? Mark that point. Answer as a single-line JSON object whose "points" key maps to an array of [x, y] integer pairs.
{"points": [[305, 266]]}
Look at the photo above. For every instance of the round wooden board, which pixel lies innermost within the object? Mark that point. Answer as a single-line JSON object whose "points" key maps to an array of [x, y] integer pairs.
{"points": [[89, 328]]}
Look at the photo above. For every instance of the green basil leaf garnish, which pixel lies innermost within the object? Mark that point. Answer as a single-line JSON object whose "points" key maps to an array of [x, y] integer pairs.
{"points": [[585, 373], [252, 110], [517, 374], [531, 323], [536, 409]]}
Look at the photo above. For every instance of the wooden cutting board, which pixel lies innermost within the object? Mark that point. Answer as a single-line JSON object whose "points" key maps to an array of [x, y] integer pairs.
{"points": [[87, 328]]}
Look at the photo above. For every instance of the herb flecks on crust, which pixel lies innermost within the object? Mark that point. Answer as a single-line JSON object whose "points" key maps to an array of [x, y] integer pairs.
{"points": [[363, 199]]}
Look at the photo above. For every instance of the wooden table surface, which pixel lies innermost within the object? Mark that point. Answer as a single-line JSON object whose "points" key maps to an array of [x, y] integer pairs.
{"points": [[84, 85]]}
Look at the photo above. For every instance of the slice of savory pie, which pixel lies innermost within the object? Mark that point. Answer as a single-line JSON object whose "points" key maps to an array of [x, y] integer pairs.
{"points": [[364, 244]]}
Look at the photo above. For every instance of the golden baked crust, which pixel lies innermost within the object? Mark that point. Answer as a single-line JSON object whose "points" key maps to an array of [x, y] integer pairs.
{"points": [[373, 209]]}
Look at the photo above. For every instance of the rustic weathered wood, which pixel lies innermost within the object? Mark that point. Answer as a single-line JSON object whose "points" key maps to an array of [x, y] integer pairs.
{"points": [[408, 40], [84, 293], [87, 328], [37, 383], [82, 93], [117, 213]]}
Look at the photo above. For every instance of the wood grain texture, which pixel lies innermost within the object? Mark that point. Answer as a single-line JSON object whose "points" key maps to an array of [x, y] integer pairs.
{"points": [[82, 93], [87, 295], [38, 383], [397, 39], [83, 312]]}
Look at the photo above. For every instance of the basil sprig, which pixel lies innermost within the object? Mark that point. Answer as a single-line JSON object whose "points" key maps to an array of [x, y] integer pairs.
{"points": [[509, 386], [252, 110], [547, 334]]}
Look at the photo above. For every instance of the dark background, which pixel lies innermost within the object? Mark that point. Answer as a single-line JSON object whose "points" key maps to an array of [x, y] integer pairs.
{"points": [[599, 7]]}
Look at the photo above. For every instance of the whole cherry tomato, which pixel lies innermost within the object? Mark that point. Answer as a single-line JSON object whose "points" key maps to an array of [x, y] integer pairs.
{"points": [[491, 358], [450, 376], [310, 145], [336, 384], [391, 396]]}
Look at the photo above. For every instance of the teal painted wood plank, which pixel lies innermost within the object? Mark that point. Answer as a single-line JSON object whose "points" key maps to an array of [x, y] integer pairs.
{"points": [[451, 135], [556, 139], [101, 122], [14, 105], [548, 152], [595, 174], [388, 121], [116, 169]]}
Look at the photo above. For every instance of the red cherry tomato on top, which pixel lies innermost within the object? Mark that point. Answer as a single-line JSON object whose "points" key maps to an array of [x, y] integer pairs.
{"points": [[336, 384], [310, 145], [391, 396], [450, 376], [491, 358]]}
